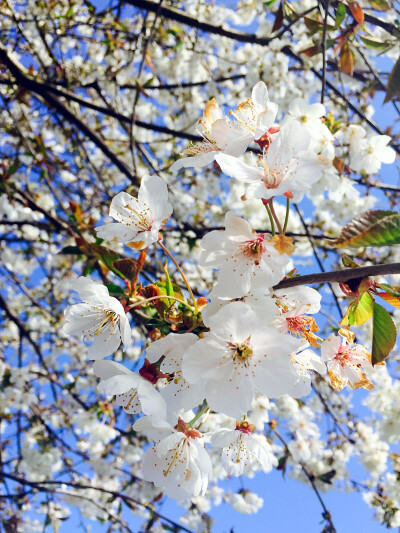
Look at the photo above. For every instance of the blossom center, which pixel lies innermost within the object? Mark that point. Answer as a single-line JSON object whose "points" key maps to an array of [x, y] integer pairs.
{"points": [[295, 323], [241, 352], [344, 355], [110, 317], [142, 218], [254, 248]]}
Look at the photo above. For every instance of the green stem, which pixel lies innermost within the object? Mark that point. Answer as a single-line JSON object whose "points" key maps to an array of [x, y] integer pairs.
{"points": [[167, 252], [287, 215], [158, 297], [199, 413], [270, 219], [278, 224]]}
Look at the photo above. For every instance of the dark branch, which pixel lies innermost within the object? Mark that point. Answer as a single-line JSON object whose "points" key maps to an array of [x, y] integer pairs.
{"points": [[340, 276]]}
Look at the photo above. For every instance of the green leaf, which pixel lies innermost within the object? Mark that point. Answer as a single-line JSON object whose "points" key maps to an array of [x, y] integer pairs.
{"points": [[168, 284], [74, 250], [393, 291], [348, 262], [12, 169], [89, 268], [315, 26], [327, 477], [115, 289], [371, 43], [372, 228], [340, 14], [106, 256], [380, 5], [383, 334], [359, 311], [393, 85]]}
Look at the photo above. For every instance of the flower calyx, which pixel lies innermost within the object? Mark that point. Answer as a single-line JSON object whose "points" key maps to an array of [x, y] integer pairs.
{"points": [[265, 140], [151, 372], [187, 430], [244, 427]]}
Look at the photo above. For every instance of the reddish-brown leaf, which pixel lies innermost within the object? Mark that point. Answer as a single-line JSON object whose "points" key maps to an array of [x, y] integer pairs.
{"points": [[279, 16], [346, 61], [356, 11]]}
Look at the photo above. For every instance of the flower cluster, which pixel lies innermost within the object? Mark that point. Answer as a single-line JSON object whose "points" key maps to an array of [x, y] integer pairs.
{"points": [[248, 341]]}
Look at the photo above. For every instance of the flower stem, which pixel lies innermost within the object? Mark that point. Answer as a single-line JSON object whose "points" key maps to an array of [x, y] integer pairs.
{"points": [[167, 252], [199, 413], [287, 215], [270, 219], [158, 297], [278, 224]]}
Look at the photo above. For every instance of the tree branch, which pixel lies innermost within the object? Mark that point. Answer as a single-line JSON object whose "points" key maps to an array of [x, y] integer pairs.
{"points": [[40, 89], [252, 39], [340, 276]]}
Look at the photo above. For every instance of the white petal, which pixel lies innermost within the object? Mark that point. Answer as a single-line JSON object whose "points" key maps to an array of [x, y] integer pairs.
{"points": [[233, 167], [115, 230], [235, 322], [105, 343]]}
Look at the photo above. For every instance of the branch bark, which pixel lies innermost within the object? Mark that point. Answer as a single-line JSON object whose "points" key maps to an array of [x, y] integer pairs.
{"points": [[340, 276], [40, 89]]}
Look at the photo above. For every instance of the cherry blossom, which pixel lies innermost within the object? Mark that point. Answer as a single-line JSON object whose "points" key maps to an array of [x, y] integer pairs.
{"points": [[178, 463], [134, 393], [346, 362], [292, 303], [367, 153], [239, 450], [288, 167], [101, 318], [179, 394], [306, 113], [220, 136], [239, 356], [139, 219], [244, 258], [257, 114], [304, 361]]}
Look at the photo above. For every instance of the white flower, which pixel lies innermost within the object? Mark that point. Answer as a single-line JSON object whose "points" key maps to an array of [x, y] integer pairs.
{"points": [[258, 299], [346, 362], [369, 154], [245, 502], [288, 167], [239, 450], [304, 361], [258, 416], [298, 300], [100, 317], [257, 114], [179, 463], [179, 394], [254, 118], [139, 219], [305, 112], [134, 393], [245, 258], [300, 450], [239, 356], [292, 303], [219, 134]]}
